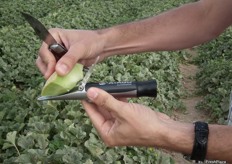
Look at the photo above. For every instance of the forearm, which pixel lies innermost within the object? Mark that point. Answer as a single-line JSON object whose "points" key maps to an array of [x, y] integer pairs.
{"points": [[184, 27], [220, 142], [180, 137]]}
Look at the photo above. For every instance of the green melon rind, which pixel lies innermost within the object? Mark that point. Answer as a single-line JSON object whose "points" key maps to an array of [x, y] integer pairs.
{"points": [[57, 85]]}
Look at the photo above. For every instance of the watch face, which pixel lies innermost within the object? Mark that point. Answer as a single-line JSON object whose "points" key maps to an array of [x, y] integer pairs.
{"points": [[204, 140]]}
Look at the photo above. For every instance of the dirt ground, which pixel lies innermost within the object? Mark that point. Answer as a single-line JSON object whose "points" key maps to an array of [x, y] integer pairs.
{"points": [[191, 114]]}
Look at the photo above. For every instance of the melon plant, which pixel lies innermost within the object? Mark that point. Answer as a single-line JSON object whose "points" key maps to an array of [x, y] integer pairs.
{"points": [[57, 85]]}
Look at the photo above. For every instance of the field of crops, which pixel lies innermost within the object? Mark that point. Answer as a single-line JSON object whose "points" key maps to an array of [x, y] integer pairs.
{"points": [[215, 77], [60, 131]]}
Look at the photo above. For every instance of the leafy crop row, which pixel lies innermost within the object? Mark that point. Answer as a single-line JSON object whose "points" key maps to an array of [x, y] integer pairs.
{"points": [[215, 76], [60, 131]]}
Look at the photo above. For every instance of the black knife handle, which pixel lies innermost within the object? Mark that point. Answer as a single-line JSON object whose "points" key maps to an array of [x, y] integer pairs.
{"points": [[128, 89], [58, 50]]}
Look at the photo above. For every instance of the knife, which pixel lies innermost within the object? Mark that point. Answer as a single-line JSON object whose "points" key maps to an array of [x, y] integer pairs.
{"points": [[57, 49]]}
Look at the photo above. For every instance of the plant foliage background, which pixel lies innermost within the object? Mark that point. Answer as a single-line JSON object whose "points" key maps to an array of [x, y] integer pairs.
{"points": [[215, 76], [60, 131]]}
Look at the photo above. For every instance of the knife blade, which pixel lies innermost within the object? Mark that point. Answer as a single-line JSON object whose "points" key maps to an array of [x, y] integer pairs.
{"points": [[57, 49]]}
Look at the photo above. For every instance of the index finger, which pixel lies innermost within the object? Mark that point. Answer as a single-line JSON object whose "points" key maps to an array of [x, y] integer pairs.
{"points": [[104, 100], [47, 58]]}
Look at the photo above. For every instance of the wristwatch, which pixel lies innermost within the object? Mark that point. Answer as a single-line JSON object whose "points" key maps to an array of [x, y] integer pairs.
{"points": [[200, 142]]}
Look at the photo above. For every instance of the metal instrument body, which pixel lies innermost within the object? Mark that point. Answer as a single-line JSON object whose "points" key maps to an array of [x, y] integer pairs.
{"points": [[116, 89]]}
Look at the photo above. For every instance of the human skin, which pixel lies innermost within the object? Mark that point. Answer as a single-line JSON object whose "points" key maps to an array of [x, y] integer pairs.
{"points": [[126, 124], [179, 28]]}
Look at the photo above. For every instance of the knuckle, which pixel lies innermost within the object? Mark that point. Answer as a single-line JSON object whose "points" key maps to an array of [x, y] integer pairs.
{"points": [[38, 59], [54, 30], [109, 143], [39, 62], [83, 48], [41, 49], [55, 33], [70, 59]]}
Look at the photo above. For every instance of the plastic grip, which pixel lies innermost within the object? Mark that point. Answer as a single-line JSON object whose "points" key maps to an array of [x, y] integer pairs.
{"points": [[147, 88], [128, 89], [58, 50]]}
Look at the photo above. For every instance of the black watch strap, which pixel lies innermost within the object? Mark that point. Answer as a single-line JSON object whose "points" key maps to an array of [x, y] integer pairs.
{"points": [[200, 141]]}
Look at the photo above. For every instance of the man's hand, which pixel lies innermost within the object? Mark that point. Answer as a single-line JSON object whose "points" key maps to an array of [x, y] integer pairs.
{"points": [[124, 124], [80, 47]]}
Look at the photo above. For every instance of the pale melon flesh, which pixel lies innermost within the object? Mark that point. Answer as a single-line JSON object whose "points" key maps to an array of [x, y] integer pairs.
{"points": [[57, 85]]}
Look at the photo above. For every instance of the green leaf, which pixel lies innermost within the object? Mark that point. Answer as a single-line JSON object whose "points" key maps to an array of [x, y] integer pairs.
{"points": [[2, 114], [7, 145], [88, 161], [26, 142], [70, 154], [94, 146], [42, 141], [10, 137], [24, 158]]}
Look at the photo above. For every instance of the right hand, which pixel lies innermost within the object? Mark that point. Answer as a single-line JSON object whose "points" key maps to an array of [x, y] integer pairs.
{"points": [[83, 47]]}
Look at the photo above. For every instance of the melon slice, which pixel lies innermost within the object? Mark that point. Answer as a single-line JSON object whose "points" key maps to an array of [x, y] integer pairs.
{"points": [[57, 85]]}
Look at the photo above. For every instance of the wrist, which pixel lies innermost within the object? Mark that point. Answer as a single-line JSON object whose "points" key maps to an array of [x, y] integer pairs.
{"points": [[106, 36], [177, 136], [122, 39]]}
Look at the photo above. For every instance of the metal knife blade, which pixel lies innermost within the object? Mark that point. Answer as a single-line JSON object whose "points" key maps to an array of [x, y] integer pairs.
{"points": [[57, 49], [39, 29]]}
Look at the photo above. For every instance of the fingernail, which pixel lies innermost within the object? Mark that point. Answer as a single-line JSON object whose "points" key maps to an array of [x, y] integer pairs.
{"points": [[63, 68], [92, 94]]}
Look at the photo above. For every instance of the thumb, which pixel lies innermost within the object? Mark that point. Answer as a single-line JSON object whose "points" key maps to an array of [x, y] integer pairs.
{"points": [[67, 62], [103, 99]]}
